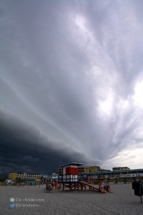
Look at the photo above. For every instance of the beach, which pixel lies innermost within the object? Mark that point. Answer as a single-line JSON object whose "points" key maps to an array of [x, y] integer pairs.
{"points": [[32, 200]]}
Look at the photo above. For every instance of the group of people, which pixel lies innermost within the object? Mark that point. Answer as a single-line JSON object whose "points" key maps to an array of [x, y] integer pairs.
{"points": [[52, 185], [104, 187]]}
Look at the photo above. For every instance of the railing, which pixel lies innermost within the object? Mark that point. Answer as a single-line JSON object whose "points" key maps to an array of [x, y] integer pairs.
{"points": [[67, 178]]}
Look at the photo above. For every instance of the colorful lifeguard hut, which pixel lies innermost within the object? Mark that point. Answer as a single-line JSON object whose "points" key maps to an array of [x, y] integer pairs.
{"points": [[70, 177]]}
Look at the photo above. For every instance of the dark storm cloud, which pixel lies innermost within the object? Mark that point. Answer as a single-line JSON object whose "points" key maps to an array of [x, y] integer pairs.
{"points": [[72, 71], [24, 148]]}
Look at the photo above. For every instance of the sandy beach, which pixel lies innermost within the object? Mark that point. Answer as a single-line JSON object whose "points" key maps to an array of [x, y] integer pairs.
{"points": [[32, 200]]}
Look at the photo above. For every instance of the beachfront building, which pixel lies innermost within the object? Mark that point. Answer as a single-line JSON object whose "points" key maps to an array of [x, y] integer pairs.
{"points": [[24, 176], [120, 168], [115, 174], [97, 172], [103, 170], [85, 169]]}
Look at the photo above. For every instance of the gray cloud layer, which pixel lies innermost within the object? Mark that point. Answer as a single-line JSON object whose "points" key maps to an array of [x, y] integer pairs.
{"points": [[72, 81]]}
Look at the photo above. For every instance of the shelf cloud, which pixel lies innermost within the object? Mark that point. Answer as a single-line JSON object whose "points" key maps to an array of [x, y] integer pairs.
{"points": [[71, 84]]}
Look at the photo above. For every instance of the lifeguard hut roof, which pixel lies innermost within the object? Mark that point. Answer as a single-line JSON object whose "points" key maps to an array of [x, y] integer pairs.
{"points": [[73, 164]]}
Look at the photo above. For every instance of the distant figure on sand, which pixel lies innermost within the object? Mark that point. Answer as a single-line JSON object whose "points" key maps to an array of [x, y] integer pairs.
{"points": [[48, 186], [56, 185], [88, 180], [107, 186], [101, 188]]}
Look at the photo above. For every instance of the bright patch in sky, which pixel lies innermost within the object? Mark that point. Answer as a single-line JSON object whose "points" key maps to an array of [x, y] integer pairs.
{"points": [[80, 22], [127, 155], [138, 96], [106, 106]]}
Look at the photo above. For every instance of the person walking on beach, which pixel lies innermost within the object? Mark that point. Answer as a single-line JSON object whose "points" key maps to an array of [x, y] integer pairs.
{"points": [[47, 184], [53, 185]]}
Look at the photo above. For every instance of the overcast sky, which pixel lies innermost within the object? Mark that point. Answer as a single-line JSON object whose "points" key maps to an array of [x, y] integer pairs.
{"points": [[71, 84]]}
